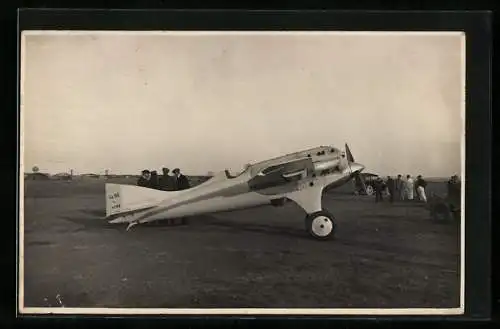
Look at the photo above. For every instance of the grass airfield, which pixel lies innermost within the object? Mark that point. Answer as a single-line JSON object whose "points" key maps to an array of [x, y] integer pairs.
{"points": [[383, 256]]}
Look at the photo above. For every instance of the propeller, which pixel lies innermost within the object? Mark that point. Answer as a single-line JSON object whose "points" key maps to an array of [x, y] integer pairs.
{"points": [[349, 156], [356, 175]]}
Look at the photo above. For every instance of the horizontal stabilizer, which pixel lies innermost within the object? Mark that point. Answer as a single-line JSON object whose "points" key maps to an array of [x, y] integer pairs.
{"points": [[124, 216]]}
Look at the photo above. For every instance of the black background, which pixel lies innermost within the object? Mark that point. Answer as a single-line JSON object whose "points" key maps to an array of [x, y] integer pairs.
{"points": [[477, 26]]}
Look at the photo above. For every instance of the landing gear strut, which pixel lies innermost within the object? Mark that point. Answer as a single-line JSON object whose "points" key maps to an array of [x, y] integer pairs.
{"points": [[321, 225]]}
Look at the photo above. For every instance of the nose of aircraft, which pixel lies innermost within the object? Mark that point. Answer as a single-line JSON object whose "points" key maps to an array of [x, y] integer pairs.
{"points": [[353, 168], [356, 167]]}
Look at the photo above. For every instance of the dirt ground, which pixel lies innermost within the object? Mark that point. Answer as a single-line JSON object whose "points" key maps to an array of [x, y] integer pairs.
{"points": [[384, 255]]}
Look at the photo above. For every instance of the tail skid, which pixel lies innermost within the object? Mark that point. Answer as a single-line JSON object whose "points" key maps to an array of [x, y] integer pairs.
{"points": [[130, 225]]}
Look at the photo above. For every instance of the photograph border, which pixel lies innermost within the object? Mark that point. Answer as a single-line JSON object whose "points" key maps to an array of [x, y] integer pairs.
{"points": [[477, 30]]}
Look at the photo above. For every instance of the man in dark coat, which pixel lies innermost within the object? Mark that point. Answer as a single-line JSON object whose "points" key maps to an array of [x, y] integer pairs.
{"points": [[181, 181], [166, 181], [144, 179], [454, 192], [391, 187], [379, 187], [153, 180], [450, 185], [398, 188]]}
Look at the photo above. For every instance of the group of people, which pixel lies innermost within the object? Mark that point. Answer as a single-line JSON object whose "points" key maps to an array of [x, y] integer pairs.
{"points": [[166, 182], [400, 189]]}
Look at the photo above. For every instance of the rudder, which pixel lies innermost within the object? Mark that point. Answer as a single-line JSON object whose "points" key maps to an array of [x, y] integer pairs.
{"points": [[122, 198], [113, 199]]}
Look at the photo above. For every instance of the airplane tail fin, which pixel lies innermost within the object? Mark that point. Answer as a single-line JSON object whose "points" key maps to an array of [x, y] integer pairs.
{"points": [[113, 199], [122, 199]]}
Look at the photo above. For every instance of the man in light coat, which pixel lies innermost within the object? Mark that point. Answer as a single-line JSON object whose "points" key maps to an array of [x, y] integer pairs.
{"points": [[410, 186], [421, 184]]}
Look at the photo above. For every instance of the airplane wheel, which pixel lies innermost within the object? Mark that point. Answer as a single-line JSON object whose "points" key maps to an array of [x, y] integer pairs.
{"points": [[321, 225], [369, 190]]}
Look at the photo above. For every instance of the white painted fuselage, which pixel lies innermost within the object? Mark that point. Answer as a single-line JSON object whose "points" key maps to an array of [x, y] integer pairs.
{"points": [[190, 202], [133, 204]]}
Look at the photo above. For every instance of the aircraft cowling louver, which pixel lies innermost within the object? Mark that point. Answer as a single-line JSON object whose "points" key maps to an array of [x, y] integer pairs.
{"points": [[301, 177]]}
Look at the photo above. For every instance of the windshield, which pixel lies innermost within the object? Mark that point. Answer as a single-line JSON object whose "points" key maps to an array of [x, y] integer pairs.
{"points": [[231, 173]]}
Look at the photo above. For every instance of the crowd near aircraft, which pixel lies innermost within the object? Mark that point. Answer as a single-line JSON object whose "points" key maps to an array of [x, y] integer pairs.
{"points": [[300, 177]]}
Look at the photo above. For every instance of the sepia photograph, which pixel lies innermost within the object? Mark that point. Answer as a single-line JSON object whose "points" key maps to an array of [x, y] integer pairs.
{"points": [[242, 172]]}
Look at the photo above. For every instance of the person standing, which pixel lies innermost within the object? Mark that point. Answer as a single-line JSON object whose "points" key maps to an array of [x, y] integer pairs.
{"points": [[144, 179], [379, 187], [421, 184], [410, 185], [181, 181], [399, 188], [391, 188], [166, 181], [450, 186], [153, 181], [454, 192]]}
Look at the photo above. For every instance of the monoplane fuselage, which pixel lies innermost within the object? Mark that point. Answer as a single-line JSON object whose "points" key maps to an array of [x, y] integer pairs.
{"points": [[300, 176]]}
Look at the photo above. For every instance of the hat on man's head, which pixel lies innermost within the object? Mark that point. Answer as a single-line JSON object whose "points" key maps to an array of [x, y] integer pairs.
{"points": [[145, 171], [176, 170]]}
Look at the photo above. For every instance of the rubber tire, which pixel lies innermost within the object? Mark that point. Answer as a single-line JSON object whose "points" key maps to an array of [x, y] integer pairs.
{"points": [[309, 220], [369, 190]]}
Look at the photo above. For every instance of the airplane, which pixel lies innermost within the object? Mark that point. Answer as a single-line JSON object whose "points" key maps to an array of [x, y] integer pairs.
{"points": [[301, 177]]}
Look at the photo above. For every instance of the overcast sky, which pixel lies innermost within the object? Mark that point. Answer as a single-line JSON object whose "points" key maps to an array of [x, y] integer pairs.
{"points": [[206, 102]]}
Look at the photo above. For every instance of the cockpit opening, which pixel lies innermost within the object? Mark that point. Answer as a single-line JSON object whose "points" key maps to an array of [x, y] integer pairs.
{"points": [[233, 174]]}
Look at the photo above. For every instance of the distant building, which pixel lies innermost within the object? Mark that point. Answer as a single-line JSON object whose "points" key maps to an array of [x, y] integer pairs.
{"points": [[62, 176], [36, 176], [90, 175]]}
